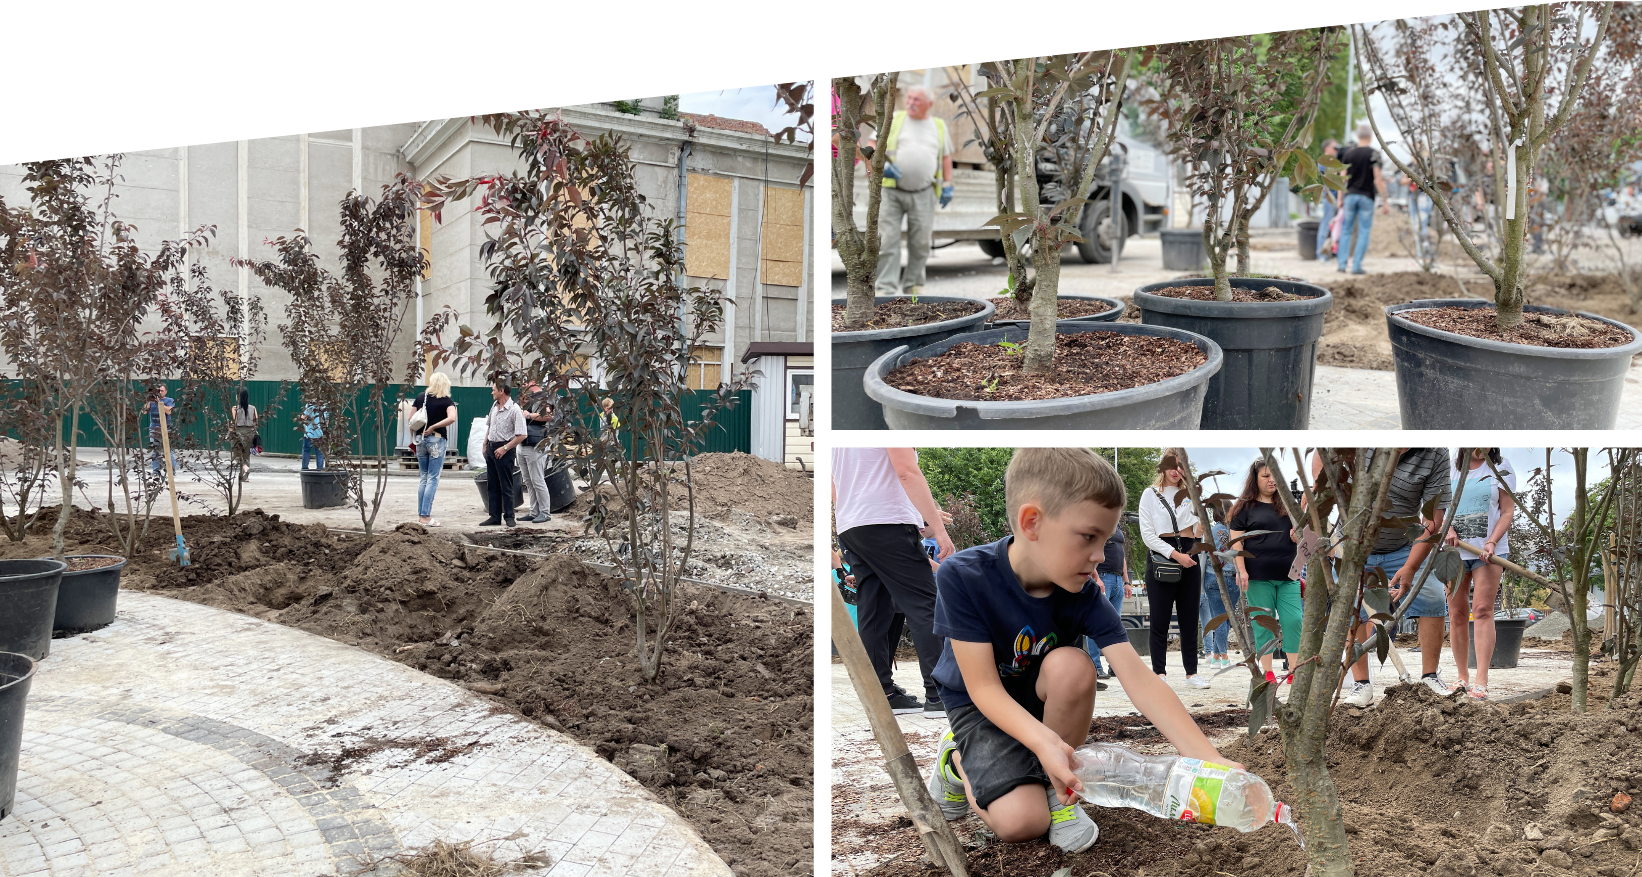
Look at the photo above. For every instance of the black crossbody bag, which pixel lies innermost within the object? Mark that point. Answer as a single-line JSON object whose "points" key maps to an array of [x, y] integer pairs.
{"points": [[1164, 569]]}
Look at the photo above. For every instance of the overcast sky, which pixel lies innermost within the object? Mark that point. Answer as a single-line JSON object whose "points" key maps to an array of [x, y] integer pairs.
{"points": [[1235, 461], [755, 103]]}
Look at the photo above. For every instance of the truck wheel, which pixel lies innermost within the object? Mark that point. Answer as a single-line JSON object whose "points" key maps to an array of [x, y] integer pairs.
{"points": [[993, 249], [1096, 229]]}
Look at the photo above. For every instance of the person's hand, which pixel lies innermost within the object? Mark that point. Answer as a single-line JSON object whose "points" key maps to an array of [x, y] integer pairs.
{"points": [[501, 452], [891, 172], [1185, 560], [1099, 583], [1128, 589], [1243, 579], [1452, 539], [1488, 550], [1059, 764], [944, 547], [946, 517], [946, 194]]}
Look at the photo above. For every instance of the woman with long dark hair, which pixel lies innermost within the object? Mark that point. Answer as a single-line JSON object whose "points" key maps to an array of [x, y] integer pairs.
{"points": [[1169, 528], [244, 433], [1264, 577], [1483, 520]]}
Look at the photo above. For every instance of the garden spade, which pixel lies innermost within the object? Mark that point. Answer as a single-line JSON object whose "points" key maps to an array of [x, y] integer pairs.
{"points": [[180, 553]]}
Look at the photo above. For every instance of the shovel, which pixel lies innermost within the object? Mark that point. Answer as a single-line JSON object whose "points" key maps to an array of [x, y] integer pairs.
{"points": [[180, 553]]}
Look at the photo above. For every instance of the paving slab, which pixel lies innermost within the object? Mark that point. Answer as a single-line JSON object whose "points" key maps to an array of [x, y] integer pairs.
{"points": [[183, 739], [857, 764]]}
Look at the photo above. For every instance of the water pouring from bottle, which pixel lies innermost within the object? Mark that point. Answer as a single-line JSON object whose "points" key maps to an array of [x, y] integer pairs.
{"points": [[1173, 787]]}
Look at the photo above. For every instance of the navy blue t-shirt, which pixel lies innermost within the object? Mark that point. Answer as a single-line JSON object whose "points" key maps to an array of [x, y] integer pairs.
{"points": [[978, 599]]}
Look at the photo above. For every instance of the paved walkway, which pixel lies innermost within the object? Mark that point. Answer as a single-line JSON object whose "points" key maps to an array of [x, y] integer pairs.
{"points": [[857, 764], [188, 740]]}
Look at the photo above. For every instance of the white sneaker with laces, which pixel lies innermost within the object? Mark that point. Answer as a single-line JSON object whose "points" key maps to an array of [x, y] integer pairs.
{"points": [[1433, 682], [1362, 694], [1197, 681], [1070, 828]]}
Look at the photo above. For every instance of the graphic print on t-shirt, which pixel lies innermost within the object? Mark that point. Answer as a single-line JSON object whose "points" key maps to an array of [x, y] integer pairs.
{"points": [[1027, 652], [1471, 518]]}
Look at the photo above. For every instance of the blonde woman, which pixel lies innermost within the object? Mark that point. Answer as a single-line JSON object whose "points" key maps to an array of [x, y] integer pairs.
{"points": [[431, 444], [1168, 527]]}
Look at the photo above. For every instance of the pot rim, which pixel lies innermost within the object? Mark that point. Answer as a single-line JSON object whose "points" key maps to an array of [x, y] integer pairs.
{"points": [[867, 335], [1393, 314]]}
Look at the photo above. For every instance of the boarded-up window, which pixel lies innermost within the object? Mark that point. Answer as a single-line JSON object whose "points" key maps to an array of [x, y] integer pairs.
{"points": [[215, 358], [783, 236], [707, 227], [706, 364], [424, 224]]}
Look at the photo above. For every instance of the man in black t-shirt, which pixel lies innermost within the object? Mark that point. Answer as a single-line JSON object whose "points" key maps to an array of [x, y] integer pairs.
{"points": [[1364, 182]]}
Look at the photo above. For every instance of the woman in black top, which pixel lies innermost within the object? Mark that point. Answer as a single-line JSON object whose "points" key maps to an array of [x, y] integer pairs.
{"points": [[432, 442], [1264, 576]]}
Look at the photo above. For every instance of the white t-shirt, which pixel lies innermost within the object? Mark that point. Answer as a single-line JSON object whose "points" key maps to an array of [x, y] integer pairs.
{"points": [[1478, 511], [1155, 520], [869, 491], [918, 154]]}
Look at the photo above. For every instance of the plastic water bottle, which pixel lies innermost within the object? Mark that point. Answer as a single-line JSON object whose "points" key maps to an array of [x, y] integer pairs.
{"points": [[1172, 787]]}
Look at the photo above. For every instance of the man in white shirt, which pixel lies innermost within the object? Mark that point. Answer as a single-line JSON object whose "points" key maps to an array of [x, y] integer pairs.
{"points": [[918, 156], [880, 502], [504, 431]]}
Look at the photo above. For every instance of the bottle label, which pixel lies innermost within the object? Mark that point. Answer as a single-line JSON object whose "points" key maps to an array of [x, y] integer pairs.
{"points": [[1194, 789]]}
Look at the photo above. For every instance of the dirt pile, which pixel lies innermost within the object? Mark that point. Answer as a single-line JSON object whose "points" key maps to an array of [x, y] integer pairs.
{"points": [[724, 737], [753, 485], [1429, 785]]}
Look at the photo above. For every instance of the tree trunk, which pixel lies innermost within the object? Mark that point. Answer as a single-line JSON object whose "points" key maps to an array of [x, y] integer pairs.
{"points": [[858, 248], [1242, 233], [1217, 262], [65, 478], [1508, 288], [1045, 309], [1328, 853]]}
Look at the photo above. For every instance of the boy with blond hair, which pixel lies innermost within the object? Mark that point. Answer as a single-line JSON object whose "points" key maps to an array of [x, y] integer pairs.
{"points": [[1018, 691]]}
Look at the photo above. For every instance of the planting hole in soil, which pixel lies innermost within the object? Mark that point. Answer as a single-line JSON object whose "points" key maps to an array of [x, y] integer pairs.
{"points": [[1086, 363], [903, 312], [1569, 331], [1009, 308], [1206, 293], [725, 737]]}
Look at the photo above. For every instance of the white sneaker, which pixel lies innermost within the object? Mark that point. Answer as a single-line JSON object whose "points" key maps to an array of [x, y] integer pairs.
{"points": [[1197, 681], [1070, 828], [1362, 694], [1436, 684]]}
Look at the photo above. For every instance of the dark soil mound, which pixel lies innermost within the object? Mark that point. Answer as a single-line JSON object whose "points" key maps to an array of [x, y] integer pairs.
{"points": [[1206, 293], [903, 312], [762, 488], [1537, 330], [1010, 308], [725, 737], [1086, 363]]}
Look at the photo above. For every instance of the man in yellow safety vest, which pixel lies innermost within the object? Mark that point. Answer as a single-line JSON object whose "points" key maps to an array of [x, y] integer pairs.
{"points": [[918, 155]]}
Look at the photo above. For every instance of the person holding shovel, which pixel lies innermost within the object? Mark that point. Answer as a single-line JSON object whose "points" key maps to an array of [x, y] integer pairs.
{"points": [[161, 400], [1019, 692], [1483, 519]]}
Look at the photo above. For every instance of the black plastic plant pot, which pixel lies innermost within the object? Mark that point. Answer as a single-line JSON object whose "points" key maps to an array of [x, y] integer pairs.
{"points": [[854, 352], [1451, 381], [16, 673], [1270, 349], [1141, 639], [561, 488], [1183, 249], [482, 480], [1306, 243], [324, 488], [28, 605], [1507, 643], [86, 599], [1175, 403], [1114, 309]]}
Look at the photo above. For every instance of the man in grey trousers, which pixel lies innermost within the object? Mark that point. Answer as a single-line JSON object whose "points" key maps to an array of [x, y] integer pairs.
{"points": [[917, 172]]}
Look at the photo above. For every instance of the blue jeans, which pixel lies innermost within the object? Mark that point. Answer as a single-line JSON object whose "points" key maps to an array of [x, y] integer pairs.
{"points": [[1322, 229], [1432, 601], [158, 461], [1215, 589], [308, 447], [430, 461], [1114, 593], [1359, 218]]}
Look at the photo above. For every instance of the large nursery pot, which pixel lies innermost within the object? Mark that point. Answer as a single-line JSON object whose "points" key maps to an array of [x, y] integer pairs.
{"points": [[1270, 349], [853, 352], [1175, 403], [324, 488], [1141, 639], [86, 598], [1183, 249], [28, 605], [482, 481], [16, 672], [1114, 309], [1451, 381], [1507, 643], [1306, 242], [561, 487]]}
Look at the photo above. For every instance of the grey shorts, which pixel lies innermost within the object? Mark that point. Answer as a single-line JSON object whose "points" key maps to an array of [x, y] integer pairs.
{"points": [[994, 762]]}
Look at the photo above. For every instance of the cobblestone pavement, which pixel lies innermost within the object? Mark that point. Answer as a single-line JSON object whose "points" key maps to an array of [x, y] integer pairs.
{"points": [[858, 765], [188, 740]]}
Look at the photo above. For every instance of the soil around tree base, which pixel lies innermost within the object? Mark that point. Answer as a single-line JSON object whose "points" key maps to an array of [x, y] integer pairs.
{"points": [[1085, 363], [1429, 785], [81, 564], [725, 736], [1239, 294], [1566, 331], [904, 312], [1009, 308]]}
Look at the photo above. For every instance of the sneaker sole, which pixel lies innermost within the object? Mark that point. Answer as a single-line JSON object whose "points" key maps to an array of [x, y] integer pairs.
{"points": [[906, 710], [934, 714]]}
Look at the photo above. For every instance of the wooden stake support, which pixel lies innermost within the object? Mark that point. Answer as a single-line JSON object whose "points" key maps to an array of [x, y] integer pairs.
{"points": [[940, 841]]}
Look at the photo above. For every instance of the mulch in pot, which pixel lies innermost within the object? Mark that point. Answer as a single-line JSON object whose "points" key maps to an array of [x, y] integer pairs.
{"points": [[1008, 308], [1569, 331], [1086, 363], [903, 312], [81, 564], [1206, 293]]}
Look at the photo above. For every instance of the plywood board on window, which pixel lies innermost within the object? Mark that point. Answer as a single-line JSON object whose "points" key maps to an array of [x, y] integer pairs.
{"points": [[784, 243], [707, 246], [424, 222], [708, 194], [783, 206], [783, 273]]}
